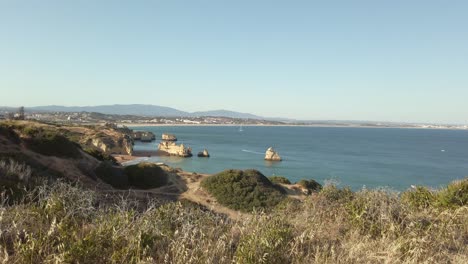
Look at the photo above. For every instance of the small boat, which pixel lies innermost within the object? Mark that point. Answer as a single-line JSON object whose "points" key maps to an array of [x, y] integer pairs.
{"points": [[240, 129]]}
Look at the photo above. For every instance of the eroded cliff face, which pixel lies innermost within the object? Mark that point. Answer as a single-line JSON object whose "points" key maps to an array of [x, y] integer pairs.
{"points": [[112, 144]]}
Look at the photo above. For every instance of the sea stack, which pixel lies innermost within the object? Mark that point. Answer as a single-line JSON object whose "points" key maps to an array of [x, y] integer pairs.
{"points": [[204, 154], [272, 155], [169, 137], [172, 149], [144, 136]]}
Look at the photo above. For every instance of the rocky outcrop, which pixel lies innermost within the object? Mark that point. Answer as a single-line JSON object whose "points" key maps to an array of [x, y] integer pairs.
{"points": [[147, 137], [144, 136], [272, 155], [169, 137], [204, 154], [111, 145], [171, 148]]}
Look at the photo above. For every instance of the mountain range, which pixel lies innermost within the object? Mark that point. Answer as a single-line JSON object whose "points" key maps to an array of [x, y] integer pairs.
{"points": [[138, 110]]}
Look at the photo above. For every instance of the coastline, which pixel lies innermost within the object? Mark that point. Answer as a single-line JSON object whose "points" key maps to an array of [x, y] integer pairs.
{"points": [[284, 125]]}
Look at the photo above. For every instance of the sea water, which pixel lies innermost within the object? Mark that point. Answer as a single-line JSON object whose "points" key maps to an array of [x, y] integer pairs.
{"points": [[357, 157]]}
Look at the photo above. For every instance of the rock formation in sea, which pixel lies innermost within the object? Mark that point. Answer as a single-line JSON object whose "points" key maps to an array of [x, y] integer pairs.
{"points": [[169, 137], [272, 155], [204, 154], [144, 136], [171, 148]]}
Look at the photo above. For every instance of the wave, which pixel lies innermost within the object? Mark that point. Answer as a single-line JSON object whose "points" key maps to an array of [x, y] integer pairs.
{"points": [[253, 152]]}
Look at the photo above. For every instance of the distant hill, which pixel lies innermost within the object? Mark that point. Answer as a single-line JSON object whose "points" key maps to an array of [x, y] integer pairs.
{"points": [[133, 109], [4, 109], [142, 110], [226, 113]]}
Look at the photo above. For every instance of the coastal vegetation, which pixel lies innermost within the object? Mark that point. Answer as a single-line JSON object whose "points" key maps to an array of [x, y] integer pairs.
{"points": [[84, 209], [51, 144], [279, 180], [140, 176], [60, 222], [310, 185], [146, 176], [243, 190], [99, 155]]}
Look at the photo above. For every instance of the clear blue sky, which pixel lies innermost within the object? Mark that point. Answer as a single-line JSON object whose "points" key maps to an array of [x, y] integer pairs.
{"points": [[360, 60]]}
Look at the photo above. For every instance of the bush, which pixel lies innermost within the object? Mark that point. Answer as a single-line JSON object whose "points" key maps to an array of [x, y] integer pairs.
{"points": [[112, 175], [310, 185], [9, 133], [334, 194], [51, 143], [243, 190], [420, 197], [99, 155], [279, 180], [454, 195], [375, 212], [146, 176]]}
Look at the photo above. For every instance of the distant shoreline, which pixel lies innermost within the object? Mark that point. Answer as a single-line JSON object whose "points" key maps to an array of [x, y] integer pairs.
{"points": [[284, 125]]}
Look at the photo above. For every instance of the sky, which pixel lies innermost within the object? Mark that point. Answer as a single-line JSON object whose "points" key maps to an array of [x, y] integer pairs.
{"points": [[404, 61]]}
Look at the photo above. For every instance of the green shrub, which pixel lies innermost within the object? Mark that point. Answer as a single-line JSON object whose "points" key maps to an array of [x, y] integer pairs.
{"points": [[72, 136], [9, 133], [51, 143], [112, 175], [30, 131], [243, 190], [146, 175], [334, 194], [454, 195], [99, 155], [310, 185], [279, 180], [420, 197]]}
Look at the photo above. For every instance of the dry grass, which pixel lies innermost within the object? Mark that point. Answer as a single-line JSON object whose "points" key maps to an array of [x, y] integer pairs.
{"points": [[61, 223]]}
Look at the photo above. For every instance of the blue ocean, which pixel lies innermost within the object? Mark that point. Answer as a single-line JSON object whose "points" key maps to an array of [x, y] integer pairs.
{"points": [[392, 158]]}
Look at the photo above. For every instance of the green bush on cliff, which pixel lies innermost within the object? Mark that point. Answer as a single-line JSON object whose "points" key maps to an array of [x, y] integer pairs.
{"points": [[334, 194], [99, 155], [279, 180], [146, 175], [310, 185], [243, 190], [419, 197], [50, 143], [112, 175], [141, 176], [454, 195], [8, 132]]}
